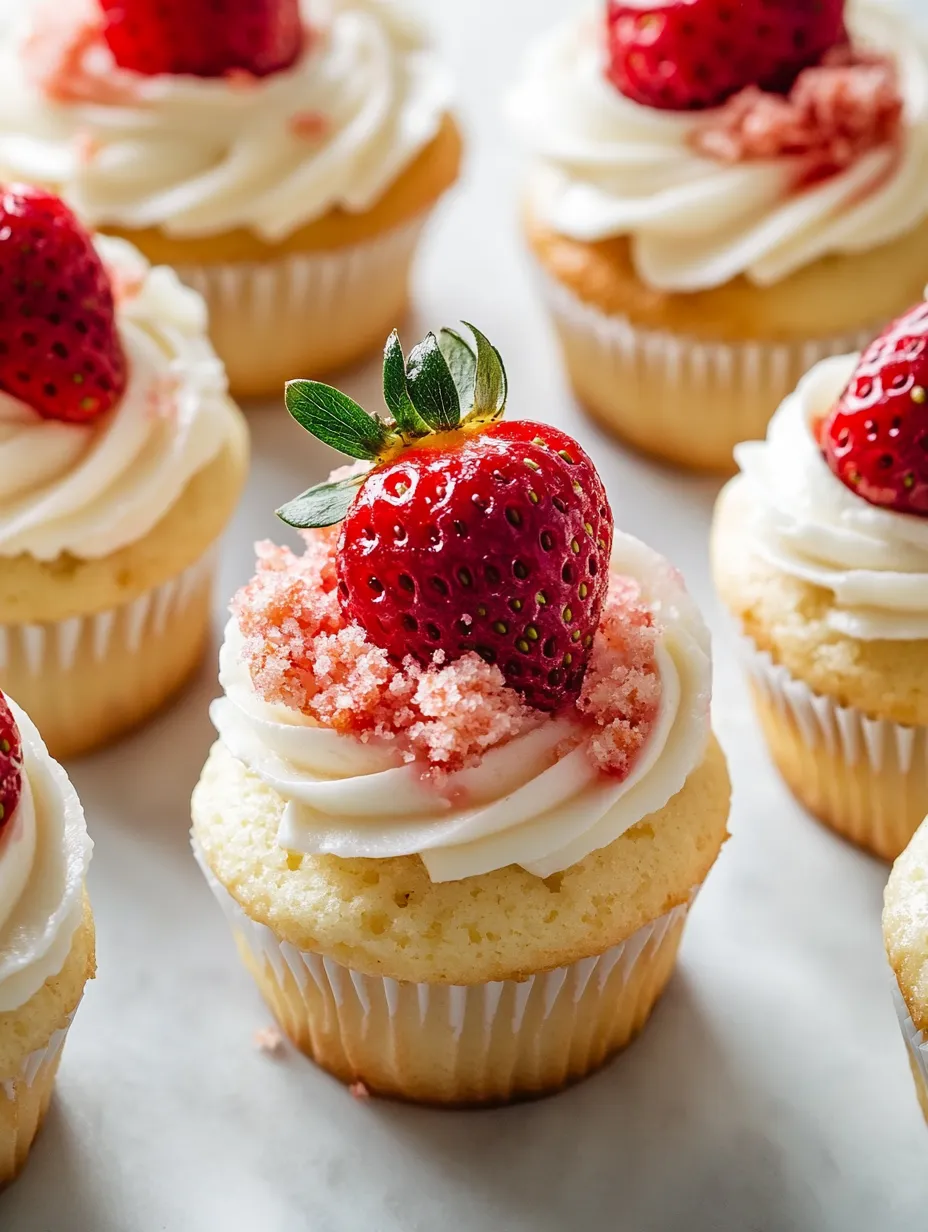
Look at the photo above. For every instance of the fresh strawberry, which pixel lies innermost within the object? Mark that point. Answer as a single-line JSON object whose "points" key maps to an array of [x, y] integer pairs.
{"points": [[686, 54], [11, 763], [206, 38], [59, 348], [876, 438], [468, 534]]}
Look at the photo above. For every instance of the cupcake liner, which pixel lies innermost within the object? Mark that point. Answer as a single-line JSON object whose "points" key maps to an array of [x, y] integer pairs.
{"points": [[866, 778], [86, 679], [458, 1044], [916, 1043], [24, 1100], [650, 387], [305, 313]]}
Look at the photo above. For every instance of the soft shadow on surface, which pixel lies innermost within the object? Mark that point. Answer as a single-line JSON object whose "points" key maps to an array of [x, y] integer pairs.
{"points": [[675, 1092]]}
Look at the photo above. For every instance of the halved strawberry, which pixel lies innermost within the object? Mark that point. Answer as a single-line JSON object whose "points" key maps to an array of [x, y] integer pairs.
{"points": [[59, 347], [11, 763], [468, 534]]}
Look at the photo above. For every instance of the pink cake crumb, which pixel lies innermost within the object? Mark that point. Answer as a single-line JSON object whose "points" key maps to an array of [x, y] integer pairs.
{"points": [[301, 652], [359, 1091], [66, 58], [312, 125], [270, 1041], [835, 112], [622, 689]]}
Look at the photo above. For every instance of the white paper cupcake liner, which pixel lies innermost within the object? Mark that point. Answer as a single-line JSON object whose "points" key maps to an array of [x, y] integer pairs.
{"points": [[866, 777], [86, 678], [916, 1043], [305, 313], [457, 1043], [652, 386], [39, 1065]]}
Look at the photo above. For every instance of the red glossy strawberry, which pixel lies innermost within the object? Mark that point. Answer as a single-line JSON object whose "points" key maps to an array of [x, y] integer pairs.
{"points": [[876, 438], [206, 38], [59, 346], [688, 54], [468, 534], [11, 763]]}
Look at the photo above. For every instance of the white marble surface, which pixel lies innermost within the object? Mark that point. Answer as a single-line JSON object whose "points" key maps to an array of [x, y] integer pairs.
{"points": [[770, 1092]]}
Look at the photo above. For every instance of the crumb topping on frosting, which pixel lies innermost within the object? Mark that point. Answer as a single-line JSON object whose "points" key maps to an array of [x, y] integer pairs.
{"points": [[835, 113], [301, 652]]}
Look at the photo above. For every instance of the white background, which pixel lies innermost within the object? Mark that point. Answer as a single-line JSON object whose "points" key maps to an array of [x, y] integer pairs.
{"points": [[770, 1093]]}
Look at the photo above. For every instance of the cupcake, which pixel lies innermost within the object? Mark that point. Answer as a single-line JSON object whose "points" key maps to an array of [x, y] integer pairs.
{"points": [[905, 933], [282, 156], [714, 184], [465, 787], [820, 550], [46, 928], [121, 460]]}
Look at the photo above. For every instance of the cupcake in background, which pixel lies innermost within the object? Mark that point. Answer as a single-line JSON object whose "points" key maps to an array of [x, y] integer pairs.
{"points": [[46, 929], [121, 461], [465, 789], [282, 157], [722, 195], [905, 933], [820, 552]]}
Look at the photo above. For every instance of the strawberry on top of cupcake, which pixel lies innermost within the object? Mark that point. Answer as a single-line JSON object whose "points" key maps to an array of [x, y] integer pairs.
{"points": [[729, 139], [451, 668], [111, 397]]}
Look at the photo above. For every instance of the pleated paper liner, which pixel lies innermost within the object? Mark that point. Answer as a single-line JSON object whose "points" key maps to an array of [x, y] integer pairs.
{"points": [[453, 1044], [678, 398], [305, 314], [866, 778], [87, 679], [24, 1100], [916, 1043]]}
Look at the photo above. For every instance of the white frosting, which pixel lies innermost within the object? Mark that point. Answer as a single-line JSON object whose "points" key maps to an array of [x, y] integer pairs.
{"points": [[89, 489], [529, 802], [608, 166], [808, 524], [198, 156], [44, 854]]}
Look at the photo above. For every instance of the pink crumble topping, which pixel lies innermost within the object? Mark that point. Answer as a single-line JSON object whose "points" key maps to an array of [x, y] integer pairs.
{"points": [[312, 125], [269, 1041], [300, 652], [66, 58], [835, 112]]}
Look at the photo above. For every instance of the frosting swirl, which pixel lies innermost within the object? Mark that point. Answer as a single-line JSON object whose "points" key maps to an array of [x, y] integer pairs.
{"points": [[805, 522], [44, 855], [89, 489], [537, 801], [610, 167], [199, 156]]}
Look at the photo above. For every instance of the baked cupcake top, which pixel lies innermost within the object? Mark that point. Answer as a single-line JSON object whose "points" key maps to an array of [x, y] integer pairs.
{"points": [[44, 854], [727, 140], [451, 668], [837, 495], [164, 116], [111, 396]]}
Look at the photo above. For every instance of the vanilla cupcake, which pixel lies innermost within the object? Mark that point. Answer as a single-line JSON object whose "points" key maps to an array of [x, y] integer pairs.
{"points": [[46, 929], [905, 933], [820, 551], [121, 461], [465, 788], [286, 175], [715, 209]]}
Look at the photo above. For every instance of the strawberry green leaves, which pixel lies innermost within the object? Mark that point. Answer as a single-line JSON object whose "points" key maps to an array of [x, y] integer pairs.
{"points": [[323, 505], [336, 419], [445, 383]]}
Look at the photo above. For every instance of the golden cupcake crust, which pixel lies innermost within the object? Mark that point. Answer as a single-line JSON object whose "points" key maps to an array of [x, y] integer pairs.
{"points": [[38, 591], [821, 300], [414, 192], [30, 1027], [387, 918], [787, 618], [905, 925]]}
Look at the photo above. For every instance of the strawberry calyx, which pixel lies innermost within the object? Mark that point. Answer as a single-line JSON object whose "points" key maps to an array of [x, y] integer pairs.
{"points": [[444, 386]]}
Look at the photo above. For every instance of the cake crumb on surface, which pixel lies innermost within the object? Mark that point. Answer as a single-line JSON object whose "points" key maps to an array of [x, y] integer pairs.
{"points": [[270, 1041]]}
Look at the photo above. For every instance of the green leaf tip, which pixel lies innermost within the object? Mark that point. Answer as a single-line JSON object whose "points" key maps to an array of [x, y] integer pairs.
{"points": [[431, 386], [336, 419], [491, 385], [462, 363], [322, 505], [395, 393]]}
